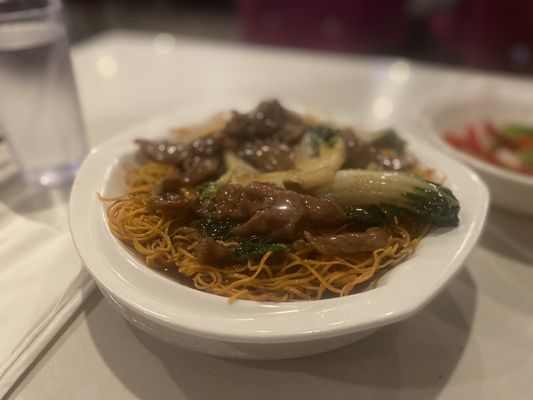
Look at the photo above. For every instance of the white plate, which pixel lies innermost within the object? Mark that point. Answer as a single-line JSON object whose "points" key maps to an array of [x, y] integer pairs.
{"points": [[247, 329]]}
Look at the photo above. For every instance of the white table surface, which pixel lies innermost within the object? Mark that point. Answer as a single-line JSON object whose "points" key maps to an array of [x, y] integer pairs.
{"points": [[474, 341]]}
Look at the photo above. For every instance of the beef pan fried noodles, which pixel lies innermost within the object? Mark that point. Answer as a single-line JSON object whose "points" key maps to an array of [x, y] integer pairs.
{"points": [[275, 206]]}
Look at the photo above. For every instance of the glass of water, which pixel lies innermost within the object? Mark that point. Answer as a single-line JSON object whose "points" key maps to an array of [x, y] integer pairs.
{"points": [[39, 107]]}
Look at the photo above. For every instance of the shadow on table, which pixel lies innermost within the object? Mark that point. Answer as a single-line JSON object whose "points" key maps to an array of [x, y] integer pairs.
{"points": [[24, 198], [503, 263], [509, 234], [418, 355]]}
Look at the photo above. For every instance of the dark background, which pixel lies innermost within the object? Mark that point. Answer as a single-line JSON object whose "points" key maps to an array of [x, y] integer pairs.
{"points": [[487, 34]]}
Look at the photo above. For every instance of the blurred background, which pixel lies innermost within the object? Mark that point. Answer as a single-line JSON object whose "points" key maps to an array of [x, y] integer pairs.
{"points": [[484, 34]]}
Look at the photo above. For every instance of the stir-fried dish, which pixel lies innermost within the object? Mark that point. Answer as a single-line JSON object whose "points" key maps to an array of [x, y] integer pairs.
{"points": [[509, 146], [274, 206]]}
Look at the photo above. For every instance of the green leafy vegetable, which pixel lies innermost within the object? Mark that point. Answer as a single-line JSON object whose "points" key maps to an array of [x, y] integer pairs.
{"points": [[517, 131], [218, 229], [326, 134], [255, 248], [207, 190], [371, 215], [388, 139], [431, 202]]}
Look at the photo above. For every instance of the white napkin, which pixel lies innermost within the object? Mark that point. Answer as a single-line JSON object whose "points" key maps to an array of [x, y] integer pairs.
{"points": [[42, 283]]}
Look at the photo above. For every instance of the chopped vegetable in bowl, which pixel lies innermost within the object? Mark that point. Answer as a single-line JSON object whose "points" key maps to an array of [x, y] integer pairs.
{"points": [[509, 146]]}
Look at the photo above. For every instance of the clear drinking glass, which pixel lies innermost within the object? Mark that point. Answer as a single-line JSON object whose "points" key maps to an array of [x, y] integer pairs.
{"points": [[39, 107]]}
